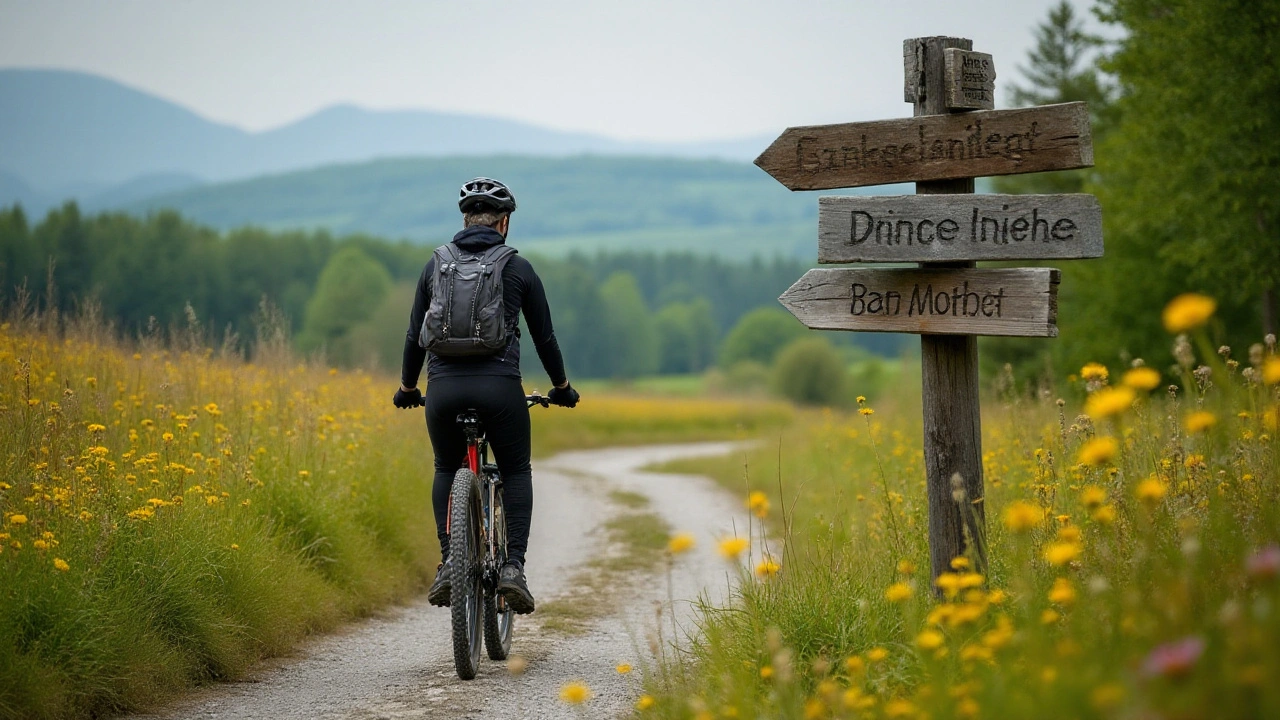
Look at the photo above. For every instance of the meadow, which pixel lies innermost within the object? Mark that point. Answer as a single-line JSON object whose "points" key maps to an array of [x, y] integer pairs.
{"points": [[1133, 569], [170, 514]]}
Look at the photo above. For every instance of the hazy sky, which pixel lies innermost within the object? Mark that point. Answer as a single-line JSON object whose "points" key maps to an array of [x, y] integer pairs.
{"points": [[654, 70]]}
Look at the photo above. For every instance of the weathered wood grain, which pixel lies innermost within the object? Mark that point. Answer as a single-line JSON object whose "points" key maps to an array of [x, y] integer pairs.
{"points": [[1018, 302], [931, 147], [946, 228], [970, 79]]}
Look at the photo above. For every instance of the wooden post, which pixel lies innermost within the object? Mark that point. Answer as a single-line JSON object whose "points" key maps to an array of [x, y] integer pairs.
{"points": [[952, 422]]}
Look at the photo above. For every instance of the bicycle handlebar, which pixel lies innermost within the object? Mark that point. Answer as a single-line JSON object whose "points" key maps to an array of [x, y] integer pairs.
{"points": [[537, 399]]}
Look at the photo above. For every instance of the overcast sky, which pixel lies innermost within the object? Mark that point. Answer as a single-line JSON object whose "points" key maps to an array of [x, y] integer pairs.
{"points": [[651, 69]]}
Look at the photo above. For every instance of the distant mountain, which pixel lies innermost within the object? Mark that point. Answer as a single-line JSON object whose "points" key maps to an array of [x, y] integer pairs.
{"points": [[577, 203], [74, 134]]}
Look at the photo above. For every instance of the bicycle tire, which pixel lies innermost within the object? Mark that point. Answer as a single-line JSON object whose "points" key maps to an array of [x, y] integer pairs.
{"points": [[498, 618], [465, 552]]}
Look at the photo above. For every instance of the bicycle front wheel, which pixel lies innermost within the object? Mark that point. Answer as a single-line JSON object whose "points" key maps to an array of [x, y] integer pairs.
{"points": [[466, 553], [498, 618]]}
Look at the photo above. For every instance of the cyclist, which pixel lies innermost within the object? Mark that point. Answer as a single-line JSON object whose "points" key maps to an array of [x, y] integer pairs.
{"points": [[488, 383]]}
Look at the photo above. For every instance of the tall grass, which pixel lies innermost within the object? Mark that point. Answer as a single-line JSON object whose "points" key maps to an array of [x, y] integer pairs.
{"points": [[170, 514], [1134, 561]]}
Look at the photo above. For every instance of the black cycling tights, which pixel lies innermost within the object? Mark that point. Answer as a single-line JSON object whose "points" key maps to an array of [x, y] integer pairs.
{"points": [[500, 403]]}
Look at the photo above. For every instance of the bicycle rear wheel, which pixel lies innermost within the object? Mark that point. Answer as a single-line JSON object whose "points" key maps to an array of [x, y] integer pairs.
{"points": [[466, 554], [498, 618]]}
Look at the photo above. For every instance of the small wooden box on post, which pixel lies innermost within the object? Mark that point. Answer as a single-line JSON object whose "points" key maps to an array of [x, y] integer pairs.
{"points": [[954, 136]]}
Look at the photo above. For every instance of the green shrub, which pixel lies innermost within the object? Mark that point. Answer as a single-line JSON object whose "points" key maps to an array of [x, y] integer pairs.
{"points": [[810, 371]]}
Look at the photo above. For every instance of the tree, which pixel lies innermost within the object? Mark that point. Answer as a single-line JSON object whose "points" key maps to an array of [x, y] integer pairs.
{"points": [[810, 371], [629, 336], [759, 335], [687, 336], [349, 290], [1193, 169]]}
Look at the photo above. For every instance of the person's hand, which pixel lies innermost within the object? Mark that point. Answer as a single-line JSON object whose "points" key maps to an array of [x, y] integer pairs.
{"points": [[406, 399], [564, 397]]}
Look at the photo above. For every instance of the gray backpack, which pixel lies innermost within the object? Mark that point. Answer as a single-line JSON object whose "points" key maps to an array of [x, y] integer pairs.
{"points": [[467, 315]]}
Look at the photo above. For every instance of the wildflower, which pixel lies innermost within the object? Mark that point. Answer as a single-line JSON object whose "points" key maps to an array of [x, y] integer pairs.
{"points": [[1271, 371], [1093, 497], [854, 665], [767, 568], [96, 428], [1061, 553], [1151, 490], [1050, 616], [1062, 592], [212, 409], [876, 654], [235, 546], [731, 547], [866, 411], [930, 640], [91, 382], [1264, 564], [575, 693], [758, 503], [1188, 311], [645, 702], [1022, 516], [906, 567], [1141, 378], [40, 545], [1175, 659], [897, 592], [1200, 421], [899, 708], [960, 563], [1099, 451], [1105, 514], [61, 565], [680, 543], [623, 668], [766, 672], [1108, 401], [1094, 371], [167, 437], [18, 519], [862, 399]]}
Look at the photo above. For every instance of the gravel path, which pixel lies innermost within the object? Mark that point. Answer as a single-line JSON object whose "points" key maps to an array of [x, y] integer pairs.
{"points": [[400, 665]]}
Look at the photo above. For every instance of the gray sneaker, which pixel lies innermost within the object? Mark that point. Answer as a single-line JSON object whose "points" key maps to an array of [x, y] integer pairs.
{"points": [[512, 586], [442, 587]]}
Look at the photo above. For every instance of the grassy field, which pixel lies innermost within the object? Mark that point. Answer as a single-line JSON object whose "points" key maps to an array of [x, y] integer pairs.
{"points": [[168, 516], [1133, 529]]}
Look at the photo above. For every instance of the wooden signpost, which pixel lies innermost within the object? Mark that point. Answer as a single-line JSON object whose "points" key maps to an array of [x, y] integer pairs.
{"points": [[945, 228]]}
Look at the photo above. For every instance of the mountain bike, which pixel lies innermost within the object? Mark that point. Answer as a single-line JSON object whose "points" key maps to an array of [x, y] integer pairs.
{"points": [[477, 551]]}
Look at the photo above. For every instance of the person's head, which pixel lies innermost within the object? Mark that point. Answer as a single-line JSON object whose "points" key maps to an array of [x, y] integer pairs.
{"points": [[485, 201]]}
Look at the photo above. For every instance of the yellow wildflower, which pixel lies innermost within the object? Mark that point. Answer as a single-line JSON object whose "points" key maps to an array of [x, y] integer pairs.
{"points": [[1151, 490], [1105, 514], [645, 702], [212, 409], [758, 503], [623, 668], [575, 693], [1061, 553], [930, 640], [1188, 311], [1093, 497], [1094, 371], [1141, 378], [680, 543], [96, 428], [899, 708], [1271, 371], [1099, 451], [1199, 421], [1062, 592], [1022, 516], [897, 592], [61, 565], [40, 545], [1050, 616], [766, 672], [906, 567], [854, 665], [767, 568], [876, 654], [1108, 401], [731, 547], [167, 437], [18, 519], [866, 411]]}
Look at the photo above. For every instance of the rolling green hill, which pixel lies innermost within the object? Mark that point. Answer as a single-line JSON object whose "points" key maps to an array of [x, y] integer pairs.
{"points": [[579, 203]]}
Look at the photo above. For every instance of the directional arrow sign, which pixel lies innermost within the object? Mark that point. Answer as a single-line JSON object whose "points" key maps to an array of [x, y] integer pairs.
{"points": [[967, 301], [932, 147], [945, 228]]}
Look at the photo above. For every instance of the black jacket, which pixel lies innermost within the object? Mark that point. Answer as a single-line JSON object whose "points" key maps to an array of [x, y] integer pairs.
{"points": [[521, 291]]}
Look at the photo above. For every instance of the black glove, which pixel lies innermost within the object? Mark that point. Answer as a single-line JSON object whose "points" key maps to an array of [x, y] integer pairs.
{"points": [[564, 397], [406, 399]]}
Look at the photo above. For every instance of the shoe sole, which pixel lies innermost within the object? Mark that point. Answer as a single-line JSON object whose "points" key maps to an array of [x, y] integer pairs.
{"points": [[441, 597], [520, 603]]}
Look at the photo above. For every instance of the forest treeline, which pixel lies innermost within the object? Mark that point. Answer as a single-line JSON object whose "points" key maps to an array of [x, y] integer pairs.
{"points": [[618, 315]]}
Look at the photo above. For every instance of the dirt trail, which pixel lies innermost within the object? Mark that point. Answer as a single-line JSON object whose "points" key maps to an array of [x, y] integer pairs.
{"points": [[400, 665]]}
